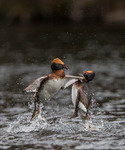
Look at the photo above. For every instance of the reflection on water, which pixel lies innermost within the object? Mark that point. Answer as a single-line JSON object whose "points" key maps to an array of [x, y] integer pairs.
{"points": [[26, 53]]}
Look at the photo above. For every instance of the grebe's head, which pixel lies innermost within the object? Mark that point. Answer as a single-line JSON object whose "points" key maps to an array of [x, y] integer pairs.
{"points": [[57, 64], [89, 75]]}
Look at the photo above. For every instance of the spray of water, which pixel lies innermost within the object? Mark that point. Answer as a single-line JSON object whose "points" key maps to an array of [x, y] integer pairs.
{"points": [[23, 123], [92, 125]]}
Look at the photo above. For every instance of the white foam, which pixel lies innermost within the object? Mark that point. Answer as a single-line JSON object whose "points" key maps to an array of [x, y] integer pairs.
{"points": [[23, 123], [89, 125]]}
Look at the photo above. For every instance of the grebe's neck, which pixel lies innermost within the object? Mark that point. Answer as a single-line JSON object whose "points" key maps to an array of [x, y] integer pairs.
{"points": [[59, 73]]}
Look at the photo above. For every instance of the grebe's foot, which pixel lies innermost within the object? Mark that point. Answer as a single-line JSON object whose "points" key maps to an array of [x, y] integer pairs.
{"points": [[35, 114], [87, 117]]}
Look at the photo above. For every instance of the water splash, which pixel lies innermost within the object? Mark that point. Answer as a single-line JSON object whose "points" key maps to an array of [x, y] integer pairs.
{"points": [[92, 125], [23, 123]]}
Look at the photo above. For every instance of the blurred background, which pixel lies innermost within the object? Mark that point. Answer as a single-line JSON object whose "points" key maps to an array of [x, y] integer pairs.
{"points": [[42, 26], [85, 11], [85, 34]]}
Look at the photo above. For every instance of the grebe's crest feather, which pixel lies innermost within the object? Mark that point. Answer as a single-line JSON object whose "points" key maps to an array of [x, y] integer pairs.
{"points": [[89, 71], [57, 61]]}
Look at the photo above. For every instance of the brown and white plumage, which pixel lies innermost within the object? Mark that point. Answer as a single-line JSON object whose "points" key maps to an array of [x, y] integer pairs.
{"points": [[33, 86], [81, 96], [47, 86], [68, 80]]}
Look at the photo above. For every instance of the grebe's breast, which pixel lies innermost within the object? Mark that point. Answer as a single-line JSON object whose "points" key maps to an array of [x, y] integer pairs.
{"points": [[51, 87], [74, 94]]}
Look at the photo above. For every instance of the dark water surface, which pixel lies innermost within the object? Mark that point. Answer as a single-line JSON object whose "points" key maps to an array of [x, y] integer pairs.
{"points": [[26, 53]]}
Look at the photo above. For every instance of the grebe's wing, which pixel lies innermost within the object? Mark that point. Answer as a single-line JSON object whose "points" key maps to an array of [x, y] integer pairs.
{"points": [[69, 80], [35, 85]]}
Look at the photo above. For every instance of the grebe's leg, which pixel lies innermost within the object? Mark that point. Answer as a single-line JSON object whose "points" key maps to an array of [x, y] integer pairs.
{"points": [[36, 105]]}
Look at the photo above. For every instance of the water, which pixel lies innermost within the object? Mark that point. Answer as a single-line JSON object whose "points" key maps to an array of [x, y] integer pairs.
{"points": [[26, 53]]}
